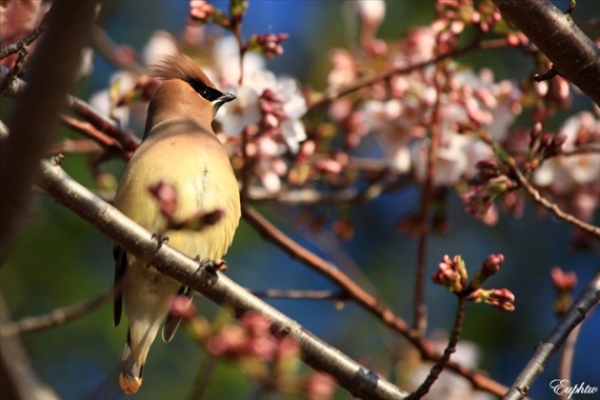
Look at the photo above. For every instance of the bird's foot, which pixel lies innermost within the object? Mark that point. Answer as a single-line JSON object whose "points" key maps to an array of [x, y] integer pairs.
{"points": [[160, 239], [211, 266], [58, 159]]}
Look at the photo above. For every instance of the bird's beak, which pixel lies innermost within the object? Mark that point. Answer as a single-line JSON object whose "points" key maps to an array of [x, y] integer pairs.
{"points": [[224, 98], [227, 97]]}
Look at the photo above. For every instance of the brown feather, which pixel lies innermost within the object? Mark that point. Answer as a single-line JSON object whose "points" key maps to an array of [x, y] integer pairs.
{"points": [[181, 67]]}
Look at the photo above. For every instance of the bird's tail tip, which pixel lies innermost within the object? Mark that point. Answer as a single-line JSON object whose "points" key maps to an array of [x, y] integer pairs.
{"points": [[130, 385], [132, 368]]}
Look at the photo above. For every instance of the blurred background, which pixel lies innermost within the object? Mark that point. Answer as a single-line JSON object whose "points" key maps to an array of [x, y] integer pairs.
{"points": [[60, 260]]}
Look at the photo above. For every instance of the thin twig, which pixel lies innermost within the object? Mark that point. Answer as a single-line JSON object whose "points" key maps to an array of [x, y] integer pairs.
{"points": [[58, 316], [333, 94], [26, 41], [203, 376], [589, 297], [246, 166], [364, 299], [419, 306], [82, 146], [103, 123], [15, 71], [128, 141], [300, 294], [18, 377], [535, 194], [565, 363], [107, 47], [437, 369], [89, 130]]}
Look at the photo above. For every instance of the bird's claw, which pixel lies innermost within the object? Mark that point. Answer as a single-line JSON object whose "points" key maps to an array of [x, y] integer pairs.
{"points": [[160, 239], [211, 267], [58, 159]]}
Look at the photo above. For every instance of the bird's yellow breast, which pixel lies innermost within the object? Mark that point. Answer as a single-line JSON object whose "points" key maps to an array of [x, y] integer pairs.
{"points": [[196, 166]]}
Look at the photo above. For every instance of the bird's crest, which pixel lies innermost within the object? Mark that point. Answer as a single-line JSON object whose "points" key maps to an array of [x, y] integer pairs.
{"points": [[181, 67]]}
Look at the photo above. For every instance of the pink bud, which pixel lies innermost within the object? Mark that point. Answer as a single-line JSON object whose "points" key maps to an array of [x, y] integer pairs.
{"points": [[183, 307], [166, 196], [563, 281], [491, 265], [320, 386], [256, 323]]}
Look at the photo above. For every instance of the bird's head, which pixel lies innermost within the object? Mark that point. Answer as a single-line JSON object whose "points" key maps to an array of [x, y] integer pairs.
{"points": [[186, 86]]}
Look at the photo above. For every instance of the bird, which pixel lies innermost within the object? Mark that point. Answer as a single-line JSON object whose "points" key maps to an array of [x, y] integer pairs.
{"points": [[179, 149]]}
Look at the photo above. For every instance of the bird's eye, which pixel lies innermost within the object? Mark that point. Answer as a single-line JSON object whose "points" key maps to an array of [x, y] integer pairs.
{"points": [[204, 92], [201, 88]]}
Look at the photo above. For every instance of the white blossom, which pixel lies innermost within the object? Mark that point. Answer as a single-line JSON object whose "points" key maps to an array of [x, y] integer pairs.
{"points": [[103, 101], [564, 173], [227, 61], [160, 45]]}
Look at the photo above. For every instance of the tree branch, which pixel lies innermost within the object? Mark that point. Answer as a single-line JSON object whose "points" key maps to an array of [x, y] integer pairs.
{"points": [[68, 28], [574, 55], [365, 299], [26, 41], [57, 316], [437, 369], [300, 294], [126, 140], [219, 288]]}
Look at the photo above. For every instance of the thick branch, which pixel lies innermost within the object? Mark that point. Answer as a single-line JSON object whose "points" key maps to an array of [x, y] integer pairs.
{"points": [[574, 55], [219, 288], [50, 80]]}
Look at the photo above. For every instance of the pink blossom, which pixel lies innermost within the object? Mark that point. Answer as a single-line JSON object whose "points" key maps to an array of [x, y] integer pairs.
{"points": [[320, 386]]}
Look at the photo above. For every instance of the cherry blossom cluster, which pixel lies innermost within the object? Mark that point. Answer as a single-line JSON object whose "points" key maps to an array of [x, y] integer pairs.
{"points": [[268, 44], [252, 344], [204, 13], [565, 164], [452, 274], [445, 102], [572, 173], [267, 112], [251, 338], [460, 106]]}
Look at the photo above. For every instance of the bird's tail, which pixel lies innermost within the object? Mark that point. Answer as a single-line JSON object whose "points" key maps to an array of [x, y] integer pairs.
{"points": [[131, 369]]}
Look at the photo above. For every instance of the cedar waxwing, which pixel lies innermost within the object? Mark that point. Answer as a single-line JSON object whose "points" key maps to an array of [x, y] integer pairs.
{"points": [[180, 149]]}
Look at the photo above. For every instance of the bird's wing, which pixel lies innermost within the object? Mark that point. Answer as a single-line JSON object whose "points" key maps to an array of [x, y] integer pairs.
{"points": [[173, 321], [120, 269]]}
